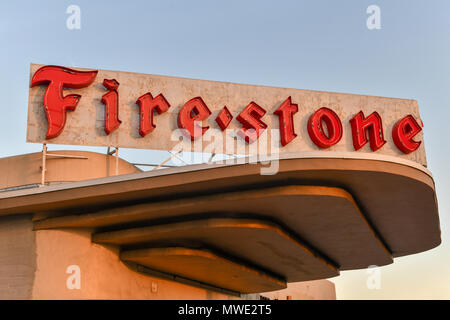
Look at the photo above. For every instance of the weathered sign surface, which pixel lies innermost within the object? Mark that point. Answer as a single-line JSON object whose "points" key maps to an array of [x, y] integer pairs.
{"points": [[110, 111]]}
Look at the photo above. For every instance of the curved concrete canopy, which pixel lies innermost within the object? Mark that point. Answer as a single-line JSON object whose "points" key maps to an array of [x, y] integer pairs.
{"points": [[256, 242], [347, 210], [397, 200], [305, 210], [205, 266]]}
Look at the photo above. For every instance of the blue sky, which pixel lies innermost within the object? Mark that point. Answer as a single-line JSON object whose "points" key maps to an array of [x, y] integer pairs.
{"points": [[319, 45]]}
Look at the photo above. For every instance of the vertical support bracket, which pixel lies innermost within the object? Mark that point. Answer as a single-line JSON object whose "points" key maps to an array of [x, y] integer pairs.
{"points": [[44, 162], [117, 161], [114, 152]]}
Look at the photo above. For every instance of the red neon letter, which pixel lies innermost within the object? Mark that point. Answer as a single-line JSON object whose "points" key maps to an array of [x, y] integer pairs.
{"points": [[252, 126], [146, 105], [55, 104], [285, 114], [316, 132], [403, 133], [372, 123], [224, 118], [111, 102], [194, 110]]}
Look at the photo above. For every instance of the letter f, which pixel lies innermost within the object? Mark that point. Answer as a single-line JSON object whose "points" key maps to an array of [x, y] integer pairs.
{"points": [[55, 103]]}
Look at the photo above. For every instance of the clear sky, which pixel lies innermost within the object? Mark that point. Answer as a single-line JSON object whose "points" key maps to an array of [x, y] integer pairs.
{"points": [[319, 45]]}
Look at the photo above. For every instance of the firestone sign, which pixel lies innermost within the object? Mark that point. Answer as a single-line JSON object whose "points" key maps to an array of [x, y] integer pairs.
{"points": [[120, 109]]}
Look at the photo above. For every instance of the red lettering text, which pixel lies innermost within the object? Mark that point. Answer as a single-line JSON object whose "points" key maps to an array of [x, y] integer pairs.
{"points": [[111, 102], [316, 131], [285, 114], [373, 125], [55, 104], [224, 118], [194, 110], [252, 126], [146, 105], [403, 133]]}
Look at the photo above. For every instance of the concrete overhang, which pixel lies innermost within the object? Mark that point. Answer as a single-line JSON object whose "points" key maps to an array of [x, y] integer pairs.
{"points": [[316, 216]]}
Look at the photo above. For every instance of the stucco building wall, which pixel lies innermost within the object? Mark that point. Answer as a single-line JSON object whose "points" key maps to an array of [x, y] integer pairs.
{"points": [[17, 257], [36, 264], [103, 275]]}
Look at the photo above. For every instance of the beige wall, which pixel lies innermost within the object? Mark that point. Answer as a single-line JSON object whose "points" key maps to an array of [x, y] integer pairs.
{"points": [[103, 275], [33, 265], [25, 169], [17, 257]]}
